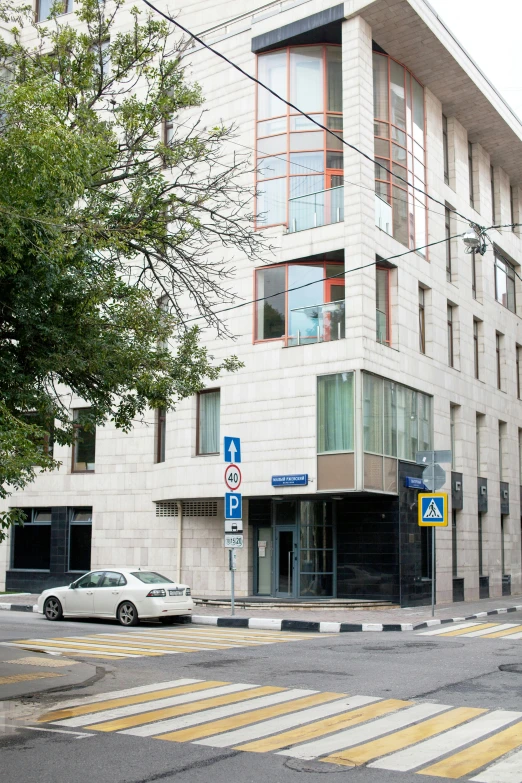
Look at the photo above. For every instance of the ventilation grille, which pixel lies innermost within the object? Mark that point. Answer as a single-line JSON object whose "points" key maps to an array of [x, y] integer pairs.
{"points": [[191, 508], [166, 509]]}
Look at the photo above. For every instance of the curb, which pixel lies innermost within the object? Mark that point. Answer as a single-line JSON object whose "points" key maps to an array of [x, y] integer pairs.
{"points": [[313, 626]]}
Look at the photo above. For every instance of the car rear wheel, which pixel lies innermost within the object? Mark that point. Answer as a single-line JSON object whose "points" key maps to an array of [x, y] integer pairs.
{"points": [[127, 614], [53, 609], [167, 620]]}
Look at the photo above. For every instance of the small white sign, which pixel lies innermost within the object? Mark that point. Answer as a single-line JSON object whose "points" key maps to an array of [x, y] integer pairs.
{"points": [[233, 541], [234, 526]]}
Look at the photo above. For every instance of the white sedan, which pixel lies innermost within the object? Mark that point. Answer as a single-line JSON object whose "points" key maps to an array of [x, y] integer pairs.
{"points": [[129, 595]]}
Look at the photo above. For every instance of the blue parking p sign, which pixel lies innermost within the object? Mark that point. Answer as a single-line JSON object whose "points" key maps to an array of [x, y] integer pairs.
{"points": [[433, 509], [233, 505]]}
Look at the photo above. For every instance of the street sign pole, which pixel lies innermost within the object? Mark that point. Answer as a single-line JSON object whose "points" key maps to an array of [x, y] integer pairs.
{"points": [[433, 571], [233, 510], [232, 566]]}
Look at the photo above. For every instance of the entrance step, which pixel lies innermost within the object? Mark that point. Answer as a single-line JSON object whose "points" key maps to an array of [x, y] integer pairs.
{"points": [[283, 603]]}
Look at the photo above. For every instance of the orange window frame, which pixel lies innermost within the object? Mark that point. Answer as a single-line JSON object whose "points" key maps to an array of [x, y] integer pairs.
{"points": [[327, 284], [387, 270], [327, 174]]}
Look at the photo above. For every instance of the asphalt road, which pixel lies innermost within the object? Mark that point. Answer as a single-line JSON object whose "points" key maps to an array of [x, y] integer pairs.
{"points": [[457, 671]]}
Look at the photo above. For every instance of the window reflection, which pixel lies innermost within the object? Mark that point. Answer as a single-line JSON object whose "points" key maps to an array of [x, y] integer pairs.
{"points": [[400, 147], [314, 77]]}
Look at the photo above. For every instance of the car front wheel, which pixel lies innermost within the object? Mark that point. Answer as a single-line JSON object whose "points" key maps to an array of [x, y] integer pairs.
{"points": [[53, 609], [127, 614]]}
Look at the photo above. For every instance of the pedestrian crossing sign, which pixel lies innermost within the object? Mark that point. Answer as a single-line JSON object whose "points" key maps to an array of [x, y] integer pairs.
{"points": [[433, 509]]}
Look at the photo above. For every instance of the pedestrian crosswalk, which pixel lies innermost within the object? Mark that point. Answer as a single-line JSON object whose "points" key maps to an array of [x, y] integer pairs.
{"points": [[156, 642], [473, 629], [424, 737]]}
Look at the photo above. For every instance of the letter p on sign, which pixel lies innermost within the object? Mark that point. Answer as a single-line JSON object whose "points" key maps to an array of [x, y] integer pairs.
{"points": [[233, 505]]}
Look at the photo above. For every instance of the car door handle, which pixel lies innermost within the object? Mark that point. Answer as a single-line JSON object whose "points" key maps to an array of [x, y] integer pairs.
{"points": [[115, 592], [88, 592]]}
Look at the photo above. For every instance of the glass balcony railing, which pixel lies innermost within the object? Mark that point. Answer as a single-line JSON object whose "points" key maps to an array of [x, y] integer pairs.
{"points": [[319, 323], [316, 209], [383, 215]]}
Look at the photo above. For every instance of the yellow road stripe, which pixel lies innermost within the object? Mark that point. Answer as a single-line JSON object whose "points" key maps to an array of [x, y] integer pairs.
{"points": [[325, 726], [183, 709], [125, 701], [401, 739], [478, 755], [89, 647], [11, 678], [254, 716], [505, 632], [470, 628], [246, 633]]}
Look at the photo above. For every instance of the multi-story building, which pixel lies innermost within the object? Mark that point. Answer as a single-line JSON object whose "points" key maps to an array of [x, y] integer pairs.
{"points": [[390, 348]]}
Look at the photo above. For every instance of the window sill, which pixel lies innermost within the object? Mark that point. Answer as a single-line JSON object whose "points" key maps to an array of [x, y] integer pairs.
{"points": [[82, 472], [210, 454]]}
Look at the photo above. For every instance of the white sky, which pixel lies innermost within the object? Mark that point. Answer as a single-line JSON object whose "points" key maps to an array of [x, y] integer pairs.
{"points": [[489, 30]]}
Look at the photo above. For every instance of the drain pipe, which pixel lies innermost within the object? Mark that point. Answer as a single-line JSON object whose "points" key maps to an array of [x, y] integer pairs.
{"points": [[180, 540]]}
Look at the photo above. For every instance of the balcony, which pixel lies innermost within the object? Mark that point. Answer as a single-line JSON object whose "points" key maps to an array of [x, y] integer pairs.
{"points": [[319, 323], [316, 209]]}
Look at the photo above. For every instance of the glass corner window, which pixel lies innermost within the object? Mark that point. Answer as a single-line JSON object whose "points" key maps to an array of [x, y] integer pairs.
{"points": [[335, 413], [208, 422], [84, 446], [270, 309]]}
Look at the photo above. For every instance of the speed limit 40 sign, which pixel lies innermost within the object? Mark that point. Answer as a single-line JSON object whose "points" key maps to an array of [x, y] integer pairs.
{"points": [[232, 477]]}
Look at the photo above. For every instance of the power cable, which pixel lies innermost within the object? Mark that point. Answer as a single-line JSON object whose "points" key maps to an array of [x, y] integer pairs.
{"points": [[332, 277], [302, 113]]}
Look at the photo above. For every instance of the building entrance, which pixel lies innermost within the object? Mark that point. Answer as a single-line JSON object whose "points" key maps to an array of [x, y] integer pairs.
{"points": [[286, 557]]}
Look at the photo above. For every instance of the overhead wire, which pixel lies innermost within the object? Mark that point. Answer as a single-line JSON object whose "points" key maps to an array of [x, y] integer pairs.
{"points": [[301, 112], [331, 277]]}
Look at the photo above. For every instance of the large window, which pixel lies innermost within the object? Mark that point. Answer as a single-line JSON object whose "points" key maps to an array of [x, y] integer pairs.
{"points": [[422, 320], [397, 420], [80, 536], [84, 447], [505, 282], [301, 303], [208, 422], [451, 354], [400, 147], [335, 412], [32, 541], [445, 148], [316, 549], [295, 157]]}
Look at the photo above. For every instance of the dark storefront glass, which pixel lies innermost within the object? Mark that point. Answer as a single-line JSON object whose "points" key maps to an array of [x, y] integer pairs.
{"points": [[32, 541], [316, 548]]}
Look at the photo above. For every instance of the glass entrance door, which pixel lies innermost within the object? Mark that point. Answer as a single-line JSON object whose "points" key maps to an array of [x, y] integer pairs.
{"points": [[286, 545]]}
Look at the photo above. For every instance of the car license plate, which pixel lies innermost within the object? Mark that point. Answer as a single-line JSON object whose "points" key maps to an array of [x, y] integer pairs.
{"points": [[176, 591]]}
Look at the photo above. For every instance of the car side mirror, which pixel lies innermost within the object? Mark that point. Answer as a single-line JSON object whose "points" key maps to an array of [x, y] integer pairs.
{"points": [[72, 586]]}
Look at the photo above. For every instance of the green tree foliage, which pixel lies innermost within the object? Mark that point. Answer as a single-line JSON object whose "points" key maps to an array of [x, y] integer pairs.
{"points": [[101, 216]]}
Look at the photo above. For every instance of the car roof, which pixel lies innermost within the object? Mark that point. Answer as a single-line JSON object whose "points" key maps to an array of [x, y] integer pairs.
{"points": [[130, 571]]}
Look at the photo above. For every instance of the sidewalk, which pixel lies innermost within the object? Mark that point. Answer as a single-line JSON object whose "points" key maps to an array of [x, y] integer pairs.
{"points": [[336, 620], [26, 673]]}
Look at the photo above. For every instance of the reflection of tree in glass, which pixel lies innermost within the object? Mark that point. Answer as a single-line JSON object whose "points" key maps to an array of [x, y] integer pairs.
{"points": [[274, 322]]}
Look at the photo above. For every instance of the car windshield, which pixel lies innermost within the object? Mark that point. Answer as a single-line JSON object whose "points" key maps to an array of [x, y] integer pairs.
{"points": [[151, 578]]}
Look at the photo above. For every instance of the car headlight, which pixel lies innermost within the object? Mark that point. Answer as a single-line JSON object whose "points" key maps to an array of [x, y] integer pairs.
{"points": [[187, 591], [157, 593]]}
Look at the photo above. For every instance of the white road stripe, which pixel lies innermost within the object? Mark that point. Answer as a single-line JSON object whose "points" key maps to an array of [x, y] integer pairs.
{"points": [[448, 627], [509, 770], [368, 731], [186, 721], [155, 686], [158, 704], [148, 641], [431, 749], [285, 722], [492, 629], [41, 647], [174, 641], [511, 636]]}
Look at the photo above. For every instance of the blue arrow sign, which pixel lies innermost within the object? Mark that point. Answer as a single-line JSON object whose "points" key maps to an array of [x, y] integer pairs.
{"points": [[232, 450], [233, 505]]}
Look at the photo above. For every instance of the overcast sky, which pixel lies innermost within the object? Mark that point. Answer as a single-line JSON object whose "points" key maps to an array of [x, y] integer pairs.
{"points": [[490, 32]]}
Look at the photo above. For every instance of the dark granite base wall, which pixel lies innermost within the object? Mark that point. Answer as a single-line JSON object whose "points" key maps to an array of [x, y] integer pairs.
{"points": [[36, 581], [415, 587], [367, 548]]}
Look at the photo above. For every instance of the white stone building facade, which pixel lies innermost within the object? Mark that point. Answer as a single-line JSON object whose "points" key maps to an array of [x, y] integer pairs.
{"points": [[420, 351]]}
